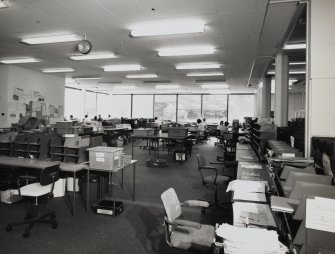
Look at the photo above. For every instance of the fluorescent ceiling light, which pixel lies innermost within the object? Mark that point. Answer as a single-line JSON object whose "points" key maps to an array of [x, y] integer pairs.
{"points": [[124, 87], [54, 70], [295, 46], [167, 86], [219, 91], [297, 63], [94, 56], [4, 4], [186, 51], [142, 76], [123, 67], [290, 72], [214, 86], [200, 74], [168, 28], [52, 39], [19, 60], [197, 66], [86, 78]]}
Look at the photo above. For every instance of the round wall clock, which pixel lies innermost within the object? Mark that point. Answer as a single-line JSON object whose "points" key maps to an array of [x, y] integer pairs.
{"points": [[84, 47]]}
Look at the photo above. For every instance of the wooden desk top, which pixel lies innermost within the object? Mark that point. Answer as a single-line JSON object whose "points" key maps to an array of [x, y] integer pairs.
{"points": [[114, 169], [159, 136], [72, 167], [26, 163]]}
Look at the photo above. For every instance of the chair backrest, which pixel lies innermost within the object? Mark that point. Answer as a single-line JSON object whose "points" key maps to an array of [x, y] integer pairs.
{"points": [[171, 204], [201, 160], [49, 175]]}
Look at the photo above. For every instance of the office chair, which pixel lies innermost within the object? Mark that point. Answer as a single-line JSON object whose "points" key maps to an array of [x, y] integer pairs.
{"points": [[43, 188], [32, 123], [185, 234], [210, 176]]}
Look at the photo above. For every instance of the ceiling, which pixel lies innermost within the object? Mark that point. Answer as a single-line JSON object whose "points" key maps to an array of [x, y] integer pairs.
{"points": [[246, 35]]}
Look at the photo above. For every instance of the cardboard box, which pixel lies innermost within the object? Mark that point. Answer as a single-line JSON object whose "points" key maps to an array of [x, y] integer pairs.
{"points": [[107, 158]]}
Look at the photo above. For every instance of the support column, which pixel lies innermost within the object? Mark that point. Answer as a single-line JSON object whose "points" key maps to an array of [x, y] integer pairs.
{"points": [[266, 98], [320, 77], [258, 101], [281, 91]]}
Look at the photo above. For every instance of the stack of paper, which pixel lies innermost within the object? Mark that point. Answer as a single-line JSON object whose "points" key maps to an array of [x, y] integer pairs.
{"points": [[282, 204], [247, 186], [239, 240], [251, 176], [250, 165], [249, 196]]}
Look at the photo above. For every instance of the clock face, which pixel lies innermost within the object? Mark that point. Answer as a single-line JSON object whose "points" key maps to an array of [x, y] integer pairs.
{"points": [[84, 47]]}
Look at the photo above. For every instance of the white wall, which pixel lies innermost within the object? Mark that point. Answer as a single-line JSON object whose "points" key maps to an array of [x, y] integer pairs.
{"points": [[51, 87], [3, 95], [296, 102]]}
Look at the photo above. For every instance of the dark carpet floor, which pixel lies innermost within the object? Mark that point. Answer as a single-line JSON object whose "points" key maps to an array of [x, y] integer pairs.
{"points": [[138, 229]]}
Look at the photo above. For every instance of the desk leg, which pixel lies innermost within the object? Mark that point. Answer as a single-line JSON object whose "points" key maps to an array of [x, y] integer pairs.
{"points": [[122, 179], [113, 195], [74, 194], [132, 148], [87, 190], [134, 172]]}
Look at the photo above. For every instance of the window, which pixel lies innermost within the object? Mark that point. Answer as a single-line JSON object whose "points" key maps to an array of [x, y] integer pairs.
{"points": [[143, 106], [189, 108], [240, 106], [73, 103], [103, 105], [119, 106], [214, 108], [90, 104], [165, 107]]}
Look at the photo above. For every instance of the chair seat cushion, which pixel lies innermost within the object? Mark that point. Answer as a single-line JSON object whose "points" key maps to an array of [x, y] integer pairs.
{"points": [[219, 180], [193, 239], [34, 190]]}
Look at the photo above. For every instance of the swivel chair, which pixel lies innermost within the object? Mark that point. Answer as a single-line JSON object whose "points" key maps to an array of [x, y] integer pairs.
{"points": [[43, 188], [185, 234], [210, 176]]}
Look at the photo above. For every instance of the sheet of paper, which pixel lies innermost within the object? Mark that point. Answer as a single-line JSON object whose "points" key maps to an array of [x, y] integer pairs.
{"points": [[247, 196], [320, 214], [250, 165], [254, 176], [247, 186], [258, 214]]}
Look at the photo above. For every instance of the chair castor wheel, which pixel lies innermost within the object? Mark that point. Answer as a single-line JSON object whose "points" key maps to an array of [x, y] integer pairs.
{"points": [[54, 225], [9, 228], [25, 234]]}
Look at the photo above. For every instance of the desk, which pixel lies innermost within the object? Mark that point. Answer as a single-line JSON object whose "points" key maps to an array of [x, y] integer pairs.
{"points": [[157, 138], [245, 153], [26, 163], [110, 176], [73, 168]]}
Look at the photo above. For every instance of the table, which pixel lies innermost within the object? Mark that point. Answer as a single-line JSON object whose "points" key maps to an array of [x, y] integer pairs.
{"points": [[245, 153], [73, 168], [26, 163], [110, 176], [157, 137]]}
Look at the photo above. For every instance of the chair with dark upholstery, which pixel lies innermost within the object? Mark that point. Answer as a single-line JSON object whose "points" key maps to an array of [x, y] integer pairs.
{"points": [[210, 176], [37, 190], [185, 234]]}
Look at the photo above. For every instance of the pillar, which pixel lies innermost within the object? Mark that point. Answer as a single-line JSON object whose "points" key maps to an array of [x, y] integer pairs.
{"points": [[281, 91], [266, 98], [320, 75]]}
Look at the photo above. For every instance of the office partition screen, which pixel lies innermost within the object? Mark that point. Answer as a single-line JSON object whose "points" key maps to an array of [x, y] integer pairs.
{"points": [[240, 106], [165, 107], [120, 106], [214, 108], [143, 106], [73, 103], [189, 108]]}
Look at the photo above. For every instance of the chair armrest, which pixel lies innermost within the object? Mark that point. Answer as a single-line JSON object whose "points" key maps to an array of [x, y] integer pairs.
{"points": [[216, 163], [209, 167], [187, 223], [196, 203]]}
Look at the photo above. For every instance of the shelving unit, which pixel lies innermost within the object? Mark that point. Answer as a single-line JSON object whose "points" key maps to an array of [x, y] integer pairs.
{"points": [[258, 134], [26, 146], [6, 143]]}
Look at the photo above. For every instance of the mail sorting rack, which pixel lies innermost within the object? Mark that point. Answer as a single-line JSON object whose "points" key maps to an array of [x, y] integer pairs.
{"points": [[111, 160]]}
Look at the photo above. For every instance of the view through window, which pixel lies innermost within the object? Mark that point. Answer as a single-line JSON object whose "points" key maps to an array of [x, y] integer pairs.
{"points": [[214, 108], [165, 107]]}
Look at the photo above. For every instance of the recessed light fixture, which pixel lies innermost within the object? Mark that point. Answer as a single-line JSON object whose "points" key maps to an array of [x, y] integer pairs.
{"points": [[167, 28], [123, 67], [172, 86], [290, 72], [192, 66], [124, 87], [293, 63], [54, 70], [86, 78], [94, 56], [4, 4], [19, 60], [142, 75], [52, 39], [294, 46], [200, 74], [186, 51], [214, 86]]}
